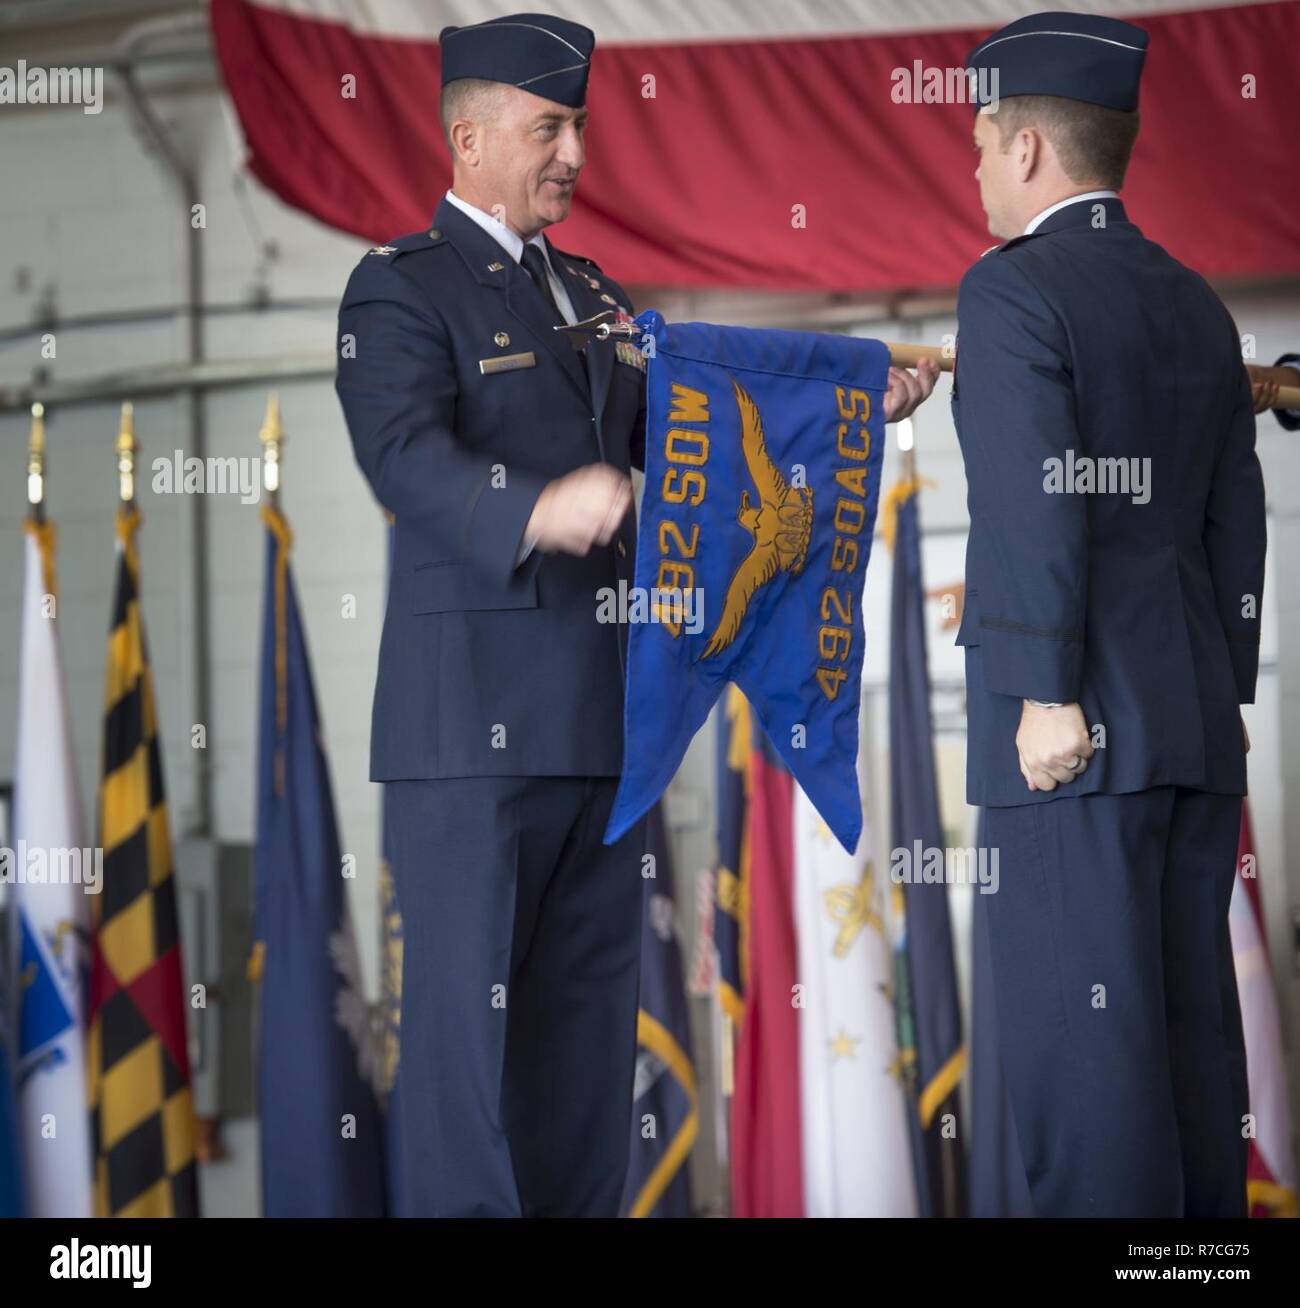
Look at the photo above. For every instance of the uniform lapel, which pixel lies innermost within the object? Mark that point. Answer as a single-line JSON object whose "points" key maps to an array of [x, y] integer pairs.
{"points": [[586, 303], [528, 306], [492, 265]]}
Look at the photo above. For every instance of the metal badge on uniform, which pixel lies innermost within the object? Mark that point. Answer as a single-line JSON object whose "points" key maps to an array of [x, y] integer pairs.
{"points": [[507, 362]]}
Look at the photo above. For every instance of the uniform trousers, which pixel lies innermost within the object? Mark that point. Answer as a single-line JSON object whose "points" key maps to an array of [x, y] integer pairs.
{"points": [[1118, 1018], [521, 940]]}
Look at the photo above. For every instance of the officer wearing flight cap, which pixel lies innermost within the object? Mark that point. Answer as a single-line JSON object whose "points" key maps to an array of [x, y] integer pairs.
{"points": [[503, 454], [1111, 627]]}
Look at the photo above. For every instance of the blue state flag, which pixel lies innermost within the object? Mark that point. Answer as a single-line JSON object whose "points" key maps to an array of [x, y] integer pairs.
{"points": [[322, 1135], [763, 457]]}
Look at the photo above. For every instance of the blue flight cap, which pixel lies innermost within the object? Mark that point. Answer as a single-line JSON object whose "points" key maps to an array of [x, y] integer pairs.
{"points": [[1074, 56], [536, 52]]}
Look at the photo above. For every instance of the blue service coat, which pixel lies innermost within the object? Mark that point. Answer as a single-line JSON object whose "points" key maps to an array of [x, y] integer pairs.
{"points": [[487, 668], [1085, 340]]}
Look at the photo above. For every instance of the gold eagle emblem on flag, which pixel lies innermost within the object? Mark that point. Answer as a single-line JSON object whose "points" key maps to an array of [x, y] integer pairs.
{"points": [[781, 525]]}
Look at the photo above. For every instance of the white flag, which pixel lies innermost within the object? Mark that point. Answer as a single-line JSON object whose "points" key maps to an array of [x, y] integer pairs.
{"points": [[50, 868], [857, 1159]]}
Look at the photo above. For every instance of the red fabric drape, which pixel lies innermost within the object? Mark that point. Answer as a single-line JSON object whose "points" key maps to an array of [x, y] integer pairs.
{"points": [[698, 185]]}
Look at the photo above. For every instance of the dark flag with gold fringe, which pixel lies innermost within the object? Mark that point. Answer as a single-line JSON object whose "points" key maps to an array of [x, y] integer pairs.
{"points": [[321, 1129], [665, 1106], [141, 1109], [390, 1028], [731, 872], [928, 1007], [390, 1009], [734, 723]]}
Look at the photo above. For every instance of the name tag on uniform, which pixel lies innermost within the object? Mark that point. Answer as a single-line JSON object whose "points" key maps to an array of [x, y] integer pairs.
{"points": [[507, 362]]}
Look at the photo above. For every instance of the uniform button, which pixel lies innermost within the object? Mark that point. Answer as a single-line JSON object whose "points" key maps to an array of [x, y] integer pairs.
{"points": [[435, 235], [622, 550]]}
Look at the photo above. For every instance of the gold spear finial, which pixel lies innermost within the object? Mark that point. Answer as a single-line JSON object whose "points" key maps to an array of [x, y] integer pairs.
{"points": [[126, 447], [36, 461], [272, 437]]}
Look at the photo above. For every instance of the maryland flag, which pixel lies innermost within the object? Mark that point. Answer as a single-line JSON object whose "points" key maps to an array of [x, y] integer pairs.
{"points": [[141, 1111]]}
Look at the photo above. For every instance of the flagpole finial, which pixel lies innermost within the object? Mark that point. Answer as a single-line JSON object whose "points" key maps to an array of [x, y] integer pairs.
{"points": [[271, 436], [36, 441], [906, 436], [36, 462], [602, 326], [126, 447]]}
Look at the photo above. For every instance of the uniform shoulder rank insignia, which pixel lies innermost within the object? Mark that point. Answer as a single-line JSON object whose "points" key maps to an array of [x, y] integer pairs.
{"points": [[428, 239], [628, 352]]}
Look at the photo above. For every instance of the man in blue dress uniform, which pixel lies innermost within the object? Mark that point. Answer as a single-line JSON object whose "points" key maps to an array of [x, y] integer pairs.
{"points": [[503, 454], [1111, 627]]}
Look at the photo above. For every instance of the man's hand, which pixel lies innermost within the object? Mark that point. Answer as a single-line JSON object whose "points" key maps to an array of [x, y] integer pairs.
{"points": [[1263, 395], [908, 391], [1049, 741], [581, 509]]}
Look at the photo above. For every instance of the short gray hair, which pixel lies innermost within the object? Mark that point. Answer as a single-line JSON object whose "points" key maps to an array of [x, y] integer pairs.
{"points": [[475, 98]]}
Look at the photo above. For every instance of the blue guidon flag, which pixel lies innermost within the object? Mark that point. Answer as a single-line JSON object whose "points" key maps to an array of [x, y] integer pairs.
{"points": [[763, 459]]}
